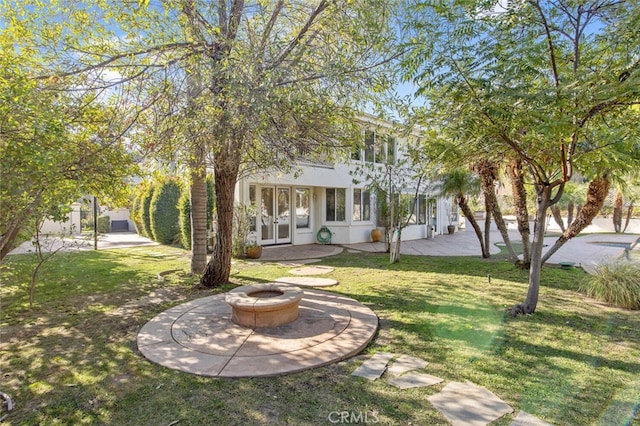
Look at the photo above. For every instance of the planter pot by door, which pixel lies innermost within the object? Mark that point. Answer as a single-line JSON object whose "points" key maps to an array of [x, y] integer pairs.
{"points": [[254, 252], [451, 229], [376, 235]]}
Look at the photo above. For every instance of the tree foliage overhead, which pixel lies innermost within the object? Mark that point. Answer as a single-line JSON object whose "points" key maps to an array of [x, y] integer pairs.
{"points": [[56, 143], [246, 84], [552, 84]]}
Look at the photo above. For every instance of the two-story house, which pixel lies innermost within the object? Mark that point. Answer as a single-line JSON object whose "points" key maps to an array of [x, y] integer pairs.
{"points": [[293, 209]]}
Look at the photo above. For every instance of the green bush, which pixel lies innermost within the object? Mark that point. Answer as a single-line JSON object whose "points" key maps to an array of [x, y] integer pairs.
{"points": [[147, 196], [184, 205], [163, 212], [616, 283], [104, 224], [136, 214]]}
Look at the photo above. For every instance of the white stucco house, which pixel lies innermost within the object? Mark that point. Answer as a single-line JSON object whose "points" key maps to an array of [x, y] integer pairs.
{"points": [[293, 209]]}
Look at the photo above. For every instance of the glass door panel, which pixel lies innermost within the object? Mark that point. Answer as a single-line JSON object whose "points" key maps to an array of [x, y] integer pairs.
{"points": [[267, 216], [283, 231]]}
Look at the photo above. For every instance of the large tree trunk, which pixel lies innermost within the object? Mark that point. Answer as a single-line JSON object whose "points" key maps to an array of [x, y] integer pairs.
{"points": [[466, 210], [629, 215], [570, 210], [487, 227], [617, 212], [597, 193], [225, 177], [9, 237], [531, 301], [516, 174], [488, 172], [557, 216], [198, 193]]}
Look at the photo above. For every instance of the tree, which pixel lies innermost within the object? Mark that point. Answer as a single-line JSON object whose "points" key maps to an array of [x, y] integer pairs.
{"points": [[488, 172], [56, 145], [460, 183], [518, 189], [549, 86], [271, 80], [163, 212], [396, 183]]}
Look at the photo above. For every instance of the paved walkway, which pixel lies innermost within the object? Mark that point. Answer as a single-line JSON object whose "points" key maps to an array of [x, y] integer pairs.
{"points": [[585, 251], [82, 243]]}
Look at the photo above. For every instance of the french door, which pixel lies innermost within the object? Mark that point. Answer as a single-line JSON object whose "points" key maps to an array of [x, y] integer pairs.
{"points": [[275, 214]]}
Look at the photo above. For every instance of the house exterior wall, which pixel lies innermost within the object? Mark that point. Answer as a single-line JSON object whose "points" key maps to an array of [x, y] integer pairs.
{"points": [[71, 226], [317, 179]]}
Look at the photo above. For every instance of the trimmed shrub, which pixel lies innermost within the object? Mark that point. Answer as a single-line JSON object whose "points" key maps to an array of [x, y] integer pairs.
{"points": [[136, 214], [616, 283], [144, 214], [104, 224], [184, 205], [163, 212]]}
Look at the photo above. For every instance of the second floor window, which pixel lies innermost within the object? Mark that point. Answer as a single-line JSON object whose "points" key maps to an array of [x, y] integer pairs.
{"points": [[377, 149], [335, 204]]}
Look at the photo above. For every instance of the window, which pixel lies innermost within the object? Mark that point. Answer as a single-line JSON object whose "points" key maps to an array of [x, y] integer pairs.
{"points": [[408, 206], [335, 208], [422, 209], [361, 205], [391, 150], [302, 207], [356, 154], [252, 201], [377, 149], [369, 145]]}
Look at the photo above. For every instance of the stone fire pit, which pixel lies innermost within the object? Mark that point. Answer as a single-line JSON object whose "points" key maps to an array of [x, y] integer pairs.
{"points": [[264, 305]]}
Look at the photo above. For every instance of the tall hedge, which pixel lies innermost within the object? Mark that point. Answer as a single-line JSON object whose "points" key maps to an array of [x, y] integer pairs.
{"points": [[163, 212], [145, 213], [136, 213], [184, 205], [104, 224]]}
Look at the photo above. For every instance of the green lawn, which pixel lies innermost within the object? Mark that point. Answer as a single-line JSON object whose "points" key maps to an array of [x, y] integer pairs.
{"points": [[73, 358]]}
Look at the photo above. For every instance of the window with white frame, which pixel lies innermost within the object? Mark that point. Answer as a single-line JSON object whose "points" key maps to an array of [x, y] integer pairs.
{"points": [[422, 209], [335, 199], [303, 207], [361, 205], [369, 146], [377, 149]]}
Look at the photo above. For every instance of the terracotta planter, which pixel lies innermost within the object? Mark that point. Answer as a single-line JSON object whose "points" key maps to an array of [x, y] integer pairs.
{"points": [[376, 235], [254, 252]]}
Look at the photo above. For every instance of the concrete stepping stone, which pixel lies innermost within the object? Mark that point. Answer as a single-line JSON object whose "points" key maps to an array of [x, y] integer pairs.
{"points": [[297, 263], [414, 380], [526, 419], [311, 270], [406, 363], [467, 404], [374, 367], [308, 281]]}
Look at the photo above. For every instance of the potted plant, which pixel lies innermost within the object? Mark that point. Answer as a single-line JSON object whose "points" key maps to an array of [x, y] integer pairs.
{"points": [[451, 228], [376, 235], [253, 250]]}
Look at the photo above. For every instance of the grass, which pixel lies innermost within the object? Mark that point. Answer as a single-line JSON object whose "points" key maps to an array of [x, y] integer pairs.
{"points": [[73, 358]]}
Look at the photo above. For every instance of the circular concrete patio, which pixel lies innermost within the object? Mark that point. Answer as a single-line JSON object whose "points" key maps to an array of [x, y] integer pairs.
{"points": [[199, 337]]}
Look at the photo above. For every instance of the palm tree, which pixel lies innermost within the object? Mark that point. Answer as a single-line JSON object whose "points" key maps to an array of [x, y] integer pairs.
{"points": [[460, 184]]}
